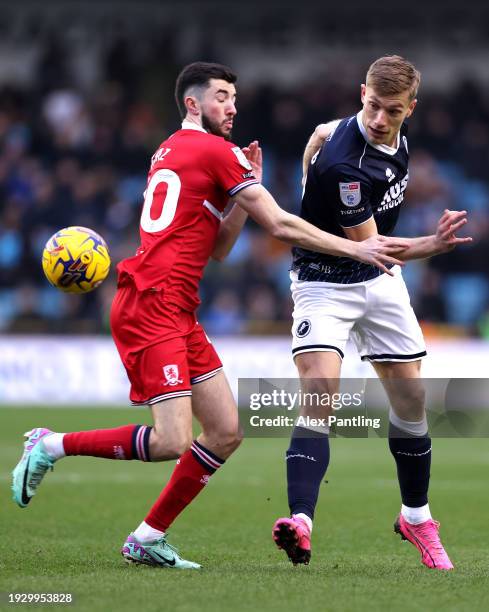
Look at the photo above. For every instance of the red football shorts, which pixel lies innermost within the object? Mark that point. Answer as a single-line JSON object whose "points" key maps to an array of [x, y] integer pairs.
{"points": [[163, 348]]}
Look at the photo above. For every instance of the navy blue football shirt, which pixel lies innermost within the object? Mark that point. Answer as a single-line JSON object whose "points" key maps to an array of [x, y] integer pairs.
{"points": [[350, 180]]}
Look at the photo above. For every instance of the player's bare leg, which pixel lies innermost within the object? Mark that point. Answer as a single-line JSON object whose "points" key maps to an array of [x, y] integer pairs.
{"points": [[170, 438], [171, 434], [214, 407], [308, 456], [411, 447], [404, 387]]}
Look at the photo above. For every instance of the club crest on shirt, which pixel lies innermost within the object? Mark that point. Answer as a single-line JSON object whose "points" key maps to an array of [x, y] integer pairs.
{"points": [[303, 328], [171, 374], [241, 158], [350, 194]]}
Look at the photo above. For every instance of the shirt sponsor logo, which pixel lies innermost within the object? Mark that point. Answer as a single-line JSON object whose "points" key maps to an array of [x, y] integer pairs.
{"points": [[394, 195], [350, 194], [170, 372], [322, 268], [352, 212]]}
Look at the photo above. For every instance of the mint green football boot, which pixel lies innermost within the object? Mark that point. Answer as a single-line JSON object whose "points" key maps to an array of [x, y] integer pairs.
{"points": [[158, 553], [32, 467]]}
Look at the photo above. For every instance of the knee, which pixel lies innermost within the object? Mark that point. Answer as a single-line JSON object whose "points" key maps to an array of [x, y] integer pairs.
{"points": [[310, 370], [225, 442], [319, 394], [163, 447], [412, 402], [235, 439], [231, 440], [418, 398], [315, 379]]}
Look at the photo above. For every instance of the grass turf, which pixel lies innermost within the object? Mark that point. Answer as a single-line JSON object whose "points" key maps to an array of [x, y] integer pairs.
{"points": [[68, 539]]}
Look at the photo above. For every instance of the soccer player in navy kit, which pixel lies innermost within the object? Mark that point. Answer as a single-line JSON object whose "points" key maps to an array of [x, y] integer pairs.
{"points": [[356, 173]]}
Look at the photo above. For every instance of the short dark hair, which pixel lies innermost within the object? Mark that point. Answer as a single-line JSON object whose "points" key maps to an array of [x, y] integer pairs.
{"points": [[199, 74]]}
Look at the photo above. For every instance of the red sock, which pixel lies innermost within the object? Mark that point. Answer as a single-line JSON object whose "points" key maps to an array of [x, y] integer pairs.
{"points": [[127, 442], [189, 477]]}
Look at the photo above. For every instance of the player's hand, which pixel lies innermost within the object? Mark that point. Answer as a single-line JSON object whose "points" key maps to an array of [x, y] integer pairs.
{"points": [[380, 251], [254, 155], [450, 222]]}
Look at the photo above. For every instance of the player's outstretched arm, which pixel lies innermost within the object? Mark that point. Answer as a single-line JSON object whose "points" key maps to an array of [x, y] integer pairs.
{"points": [[315, 142], [425, 246], [233, 222], [443, 241], [261, 206]]}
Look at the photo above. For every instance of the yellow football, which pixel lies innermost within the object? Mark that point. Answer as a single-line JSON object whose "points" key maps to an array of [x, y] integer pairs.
{"points": [[76, 260]]}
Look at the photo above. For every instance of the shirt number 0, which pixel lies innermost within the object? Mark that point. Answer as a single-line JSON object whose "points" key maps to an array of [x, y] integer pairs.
{"points": [[170, 201]]}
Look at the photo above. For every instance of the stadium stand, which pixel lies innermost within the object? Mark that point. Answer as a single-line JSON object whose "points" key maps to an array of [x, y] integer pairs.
{"points": [[81, 114]]}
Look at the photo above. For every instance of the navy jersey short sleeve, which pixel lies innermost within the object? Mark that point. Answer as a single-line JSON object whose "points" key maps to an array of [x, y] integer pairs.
{"points": [[348, 192]]}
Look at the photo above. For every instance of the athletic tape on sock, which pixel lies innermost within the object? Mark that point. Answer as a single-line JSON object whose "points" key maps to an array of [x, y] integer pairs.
{"points": [[320, 429], [413, 428]]}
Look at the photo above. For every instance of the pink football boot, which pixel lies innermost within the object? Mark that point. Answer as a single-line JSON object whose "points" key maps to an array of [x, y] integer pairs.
{"points": [[293, 536], [426, 539]]}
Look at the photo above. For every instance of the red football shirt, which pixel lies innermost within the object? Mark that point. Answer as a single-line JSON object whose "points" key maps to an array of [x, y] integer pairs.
{"points": [[191, 178]]}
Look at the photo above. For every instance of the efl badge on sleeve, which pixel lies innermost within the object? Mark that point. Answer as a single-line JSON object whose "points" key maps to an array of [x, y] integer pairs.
{"points": [[241, 158], [350, 194]]}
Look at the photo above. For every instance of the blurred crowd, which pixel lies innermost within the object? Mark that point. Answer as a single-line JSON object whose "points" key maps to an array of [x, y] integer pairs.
{"points": [[72, 157]]}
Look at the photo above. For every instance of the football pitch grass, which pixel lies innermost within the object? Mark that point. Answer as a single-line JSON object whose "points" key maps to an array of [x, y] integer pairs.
{"points": [[68, 539]]}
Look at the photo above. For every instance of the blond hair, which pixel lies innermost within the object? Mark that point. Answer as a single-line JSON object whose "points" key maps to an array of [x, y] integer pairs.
{"points": [[392, 74]]}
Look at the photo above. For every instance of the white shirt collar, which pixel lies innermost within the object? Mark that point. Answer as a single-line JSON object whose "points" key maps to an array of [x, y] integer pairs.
{"points": [[381, 147], [189, 125]]}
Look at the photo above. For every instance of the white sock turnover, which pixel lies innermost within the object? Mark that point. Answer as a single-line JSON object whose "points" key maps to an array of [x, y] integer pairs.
{"points": [[307, 520], [53, 443], [144, 533], [415, 516]]}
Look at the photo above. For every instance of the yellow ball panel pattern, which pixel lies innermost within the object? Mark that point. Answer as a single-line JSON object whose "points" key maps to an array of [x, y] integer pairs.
{"points": [[76, 260]]}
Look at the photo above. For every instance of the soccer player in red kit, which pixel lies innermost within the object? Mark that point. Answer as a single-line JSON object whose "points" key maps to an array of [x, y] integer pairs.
{"points": [[171, 364]]}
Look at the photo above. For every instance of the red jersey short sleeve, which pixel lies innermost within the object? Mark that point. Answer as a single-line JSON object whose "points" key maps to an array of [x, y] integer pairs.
{"points": [[232, 170], [191, 178]]}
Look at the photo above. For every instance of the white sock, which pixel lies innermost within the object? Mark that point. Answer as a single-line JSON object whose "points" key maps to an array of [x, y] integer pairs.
{"points": [[144, 533], [415, 428], [415, 516], [307, 520], [53, 443]]}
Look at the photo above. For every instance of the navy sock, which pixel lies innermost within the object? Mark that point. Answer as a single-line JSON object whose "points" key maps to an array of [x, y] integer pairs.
{"points": [[307, 461], [413, 459]]}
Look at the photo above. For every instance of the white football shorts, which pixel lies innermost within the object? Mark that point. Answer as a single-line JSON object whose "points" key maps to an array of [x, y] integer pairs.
{"points": [[376, 313]]}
